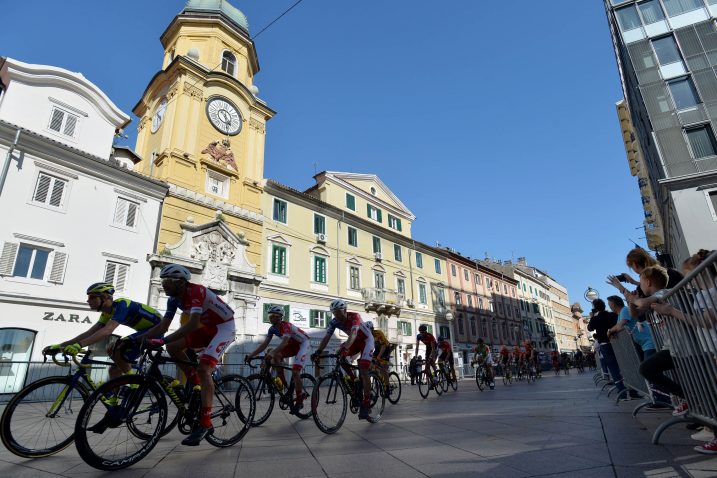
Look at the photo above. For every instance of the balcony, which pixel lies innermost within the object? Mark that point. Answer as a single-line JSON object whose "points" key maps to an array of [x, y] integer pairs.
{"points": [[383, 301]]}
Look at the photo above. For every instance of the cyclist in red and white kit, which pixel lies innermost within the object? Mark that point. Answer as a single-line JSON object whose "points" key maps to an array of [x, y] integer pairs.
{"points": [[360, 341], [294, 343], [210, 326], [431, 350]]}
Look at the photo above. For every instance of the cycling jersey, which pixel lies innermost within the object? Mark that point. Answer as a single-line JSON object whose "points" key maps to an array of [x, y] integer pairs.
{"points": [[482, 350], [428, 339], [137, 316], [379, 339], [298, 346], [217, 318], [445, 347], [504, 355], [287, 328], [198, 299], [353, 321]]}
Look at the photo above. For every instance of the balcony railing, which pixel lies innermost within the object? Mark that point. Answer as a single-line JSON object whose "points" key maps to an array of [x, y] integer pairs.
{"points": [[383, 301]]}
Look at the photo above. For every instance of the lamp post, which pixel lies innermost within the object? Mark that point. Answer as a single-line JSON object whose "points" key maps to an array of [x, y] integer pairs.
{"points": [[591, 294], [449, 318]]}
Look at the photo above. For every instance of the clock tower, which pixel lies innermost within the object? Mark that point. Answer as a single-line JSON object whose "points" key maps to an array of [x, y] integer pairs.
{"points": [[202, 125]]}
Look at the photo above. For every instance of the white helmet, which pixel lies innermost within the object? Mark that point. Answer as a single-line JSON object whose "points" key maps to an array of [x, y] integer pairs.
{"points": [[369, 324], [275, 309], [337, 304], [175, 271]]}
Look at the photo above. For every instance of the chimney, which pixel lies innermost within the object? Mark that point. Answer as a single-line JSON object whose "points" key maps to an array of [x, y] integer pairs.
{"points": [[522, 261]]}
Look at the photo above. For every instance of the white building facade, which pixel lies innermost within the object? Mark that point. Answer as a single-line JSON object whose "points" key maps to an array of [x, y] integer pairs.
{"points": [[74, 214]]}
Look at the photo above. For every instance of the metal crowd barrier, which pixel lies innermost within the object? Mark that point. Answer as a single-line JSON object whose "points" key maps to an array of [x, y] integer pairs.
{"points": [[629, 362], [692, 341]]}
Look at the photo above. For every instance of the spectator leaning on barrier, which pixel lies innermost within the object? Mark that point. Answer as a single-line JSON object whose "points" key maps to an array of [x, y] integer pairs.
{"points": [[704, 306], [601, 321], [652, 282], [640, 331]]}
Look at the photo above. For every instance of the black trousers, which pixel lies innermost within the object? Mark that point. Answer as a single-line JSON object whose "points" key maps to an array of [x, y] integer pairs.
{"points": [[654, 368]]}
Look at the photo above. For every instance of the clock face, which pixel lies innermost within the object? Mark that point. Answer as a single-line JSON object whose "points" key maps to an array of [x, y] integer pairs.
{"points": [[224, 116], [159, 115]]}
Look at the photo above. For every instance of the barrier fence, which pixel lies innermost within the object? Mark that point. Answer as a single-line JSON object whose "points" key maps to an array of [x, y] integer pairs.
{"points": [[629, 362], [689, 332]]}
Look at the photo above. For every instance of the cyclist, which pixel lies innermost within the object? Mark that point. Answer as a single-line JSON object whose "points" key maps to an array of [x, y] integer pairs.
{"points": [[381, 349], [294, 343], [505, 360], [114, 312], [431, 348], [211, 326], [554, 360], [447, 355], [360, 341], [482, 355]]}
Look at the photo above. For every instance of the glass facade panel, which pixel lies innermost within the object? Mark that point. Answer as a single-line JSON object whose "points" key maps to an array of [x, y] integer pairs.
{"points": [[651, 11], [15, 349], [628, 19], [666, 50], [678, 7], [684, 93], [702, 141]]}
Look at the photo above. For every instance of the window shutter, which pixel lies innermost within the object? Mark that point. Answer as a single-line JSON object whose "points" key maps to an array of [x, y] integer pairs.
{"points": [[121, 276], [368, 210], [56, 121], [312, 318], [42, 188], [58, 187], [378, 214], [110, 269], [57, 273], [131, 214], [398, 224], [7, 260], [121, 211], [70, 125]]}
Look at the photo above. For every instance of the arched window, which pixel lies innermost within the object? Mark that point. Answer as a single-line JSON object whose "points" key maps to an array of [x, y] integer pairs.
{"points": [[15, 352], [229, 62], [460, 324]]}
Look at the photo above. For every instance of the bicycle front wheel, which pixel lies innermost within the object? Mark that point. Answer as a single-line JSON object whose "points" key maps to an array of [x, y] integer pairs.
{"points": [[233, 410], [378, 398], [112, 437], [303, 410], [394, 388], [265, 397], [329, 404], [442, 381], [40, 420], [479, 380], [424, 384]]}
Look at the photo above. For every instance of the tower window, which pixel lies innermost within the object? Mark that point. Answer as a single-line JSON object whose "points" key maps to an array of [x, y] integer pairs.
{"points": [[229, 62]]}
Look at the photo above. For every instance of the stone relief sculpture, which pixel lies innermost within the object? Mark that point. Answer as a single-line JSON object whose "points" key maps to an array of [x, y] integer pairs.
{"points": [[221, 153]]}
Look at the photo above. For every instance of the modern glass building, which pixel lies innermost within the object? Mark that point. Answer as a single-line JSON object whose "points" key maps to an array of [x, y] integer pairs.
{"points": [[666, 52]]}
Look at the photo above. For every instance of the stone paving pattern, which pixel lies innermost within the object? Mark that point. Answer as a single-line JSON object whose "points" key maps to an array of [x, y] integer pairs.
{"points": [[555, 427]]}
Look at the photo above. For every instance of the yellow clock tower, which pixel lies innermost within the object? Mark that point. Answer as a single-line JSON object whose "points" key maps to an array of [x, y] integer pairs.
{"points": [[202, 125]]}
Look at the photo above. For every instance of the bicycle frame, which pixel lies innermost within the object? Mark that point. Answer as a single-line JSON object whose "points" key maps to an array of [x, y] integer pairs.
{"points": [[80, 375]]}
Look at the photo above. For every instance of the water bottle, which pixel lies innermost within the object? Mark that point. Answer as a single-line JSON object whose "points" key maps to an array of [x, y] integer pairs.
{"points": [[278, 384]]}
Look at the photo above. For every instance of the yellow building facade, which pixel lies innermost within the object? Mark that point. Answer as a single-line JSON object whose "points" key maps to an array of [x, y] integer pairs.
{"points": [[202, 126], [349, 236]]}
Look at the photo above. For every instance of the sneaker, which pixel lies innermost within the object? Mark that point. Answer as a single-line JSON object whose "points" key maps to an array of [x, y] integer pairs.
{"points": [[703, 435], [681, 409], [196, 437], [363, 413], [709, 448], [105, 422], [111, 402]]}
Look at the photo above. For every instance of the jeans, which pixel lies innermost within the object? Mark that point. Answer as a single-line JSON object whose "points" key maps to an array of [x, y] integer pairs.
{"points": [[653, 369], [608, 357]]}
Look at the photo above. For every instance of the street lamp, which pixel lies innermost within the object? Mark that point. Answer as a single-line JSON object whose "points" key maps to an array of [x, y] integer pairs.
{"points": [[591, 294]]}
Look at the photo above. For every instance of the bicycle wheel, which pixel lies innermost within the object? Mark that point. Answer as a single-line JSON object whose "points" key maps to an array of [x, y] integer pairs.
{"points": [[40, 420], [264, 396], [233, 399], [329, 404], [442, 380], [378, 398], [115, 437], [308, 382], [480, 379], [424, 383], [394, 388]]}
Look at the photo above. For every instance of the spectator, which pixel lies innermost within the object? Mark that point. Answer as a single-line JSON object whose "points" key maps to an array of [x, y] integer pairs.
{"points": [[640, 331], [413, 369], [601, 321], [653, 281], [703, 320]]}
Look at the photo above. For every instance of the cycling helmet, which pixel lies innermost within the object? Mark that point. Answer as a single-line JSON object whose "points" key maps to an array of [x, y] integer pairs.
{"points": [[275, 309], [441, 338], [369, 324], [101, 288], [175, 271], [480, 340], [337, 304], [422, 328]]}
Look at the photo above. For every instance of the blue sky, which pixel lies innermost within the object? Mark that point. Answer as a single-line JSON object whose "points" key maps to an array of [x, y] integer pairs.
{"points": [[494, 122]]}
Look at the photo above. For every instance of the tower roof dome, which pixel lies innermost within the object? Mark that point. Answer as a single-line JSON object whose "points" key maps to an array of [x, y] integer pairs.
{"points": [[219, 6]]}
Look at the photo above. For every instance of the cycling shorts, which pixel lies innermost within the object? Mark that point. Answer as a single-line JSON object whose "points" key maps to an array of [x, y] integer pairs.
{"points": [[130, 350], [364, 346], [213, 338], [297, 350]]}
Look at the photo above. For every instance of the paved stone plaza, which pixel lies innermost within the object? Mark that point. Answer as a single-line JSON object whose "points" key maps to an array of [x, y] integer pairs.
{"points": [[556, 427]]}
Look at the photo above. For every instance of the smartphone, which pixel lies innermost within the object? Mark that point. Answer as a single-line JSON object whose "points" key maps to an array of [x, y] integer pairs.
{"points": [[621, 277]]}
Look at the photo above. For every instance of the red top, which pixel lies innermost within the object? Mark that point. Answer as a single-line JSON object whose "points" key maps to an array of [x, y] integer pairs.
{"points": [[199, 299]]}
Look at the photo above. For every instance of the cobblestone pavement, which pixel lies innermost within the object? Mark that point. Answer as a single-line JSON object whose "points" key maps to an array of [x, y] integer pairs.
{"points": [[556, 427]]}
